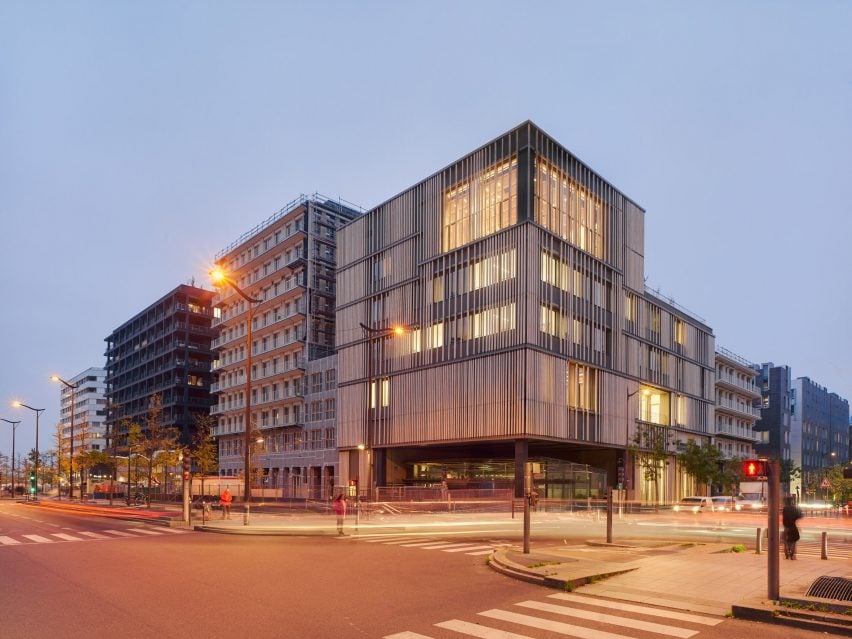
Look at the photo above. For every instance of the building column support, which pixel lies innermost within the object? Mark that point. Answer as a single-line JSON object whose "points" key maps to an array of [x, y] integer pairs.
{"points": [[521, 458]]}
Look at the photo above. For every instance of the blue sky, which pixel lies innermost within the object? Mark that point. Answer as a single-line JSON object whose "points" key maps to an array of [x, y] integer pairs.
{"points": [[138, 139]]}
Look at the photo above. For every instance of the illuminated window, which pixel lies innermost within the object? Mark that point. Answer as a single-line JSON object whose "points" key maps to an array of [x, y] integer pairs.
{"points": [[568, 210], [578, 332], [385, 389], [438, 288], [680, 332], [555, 272], [436, 335], [629, 307], [481, 206], [655, 406], [582, 387]]}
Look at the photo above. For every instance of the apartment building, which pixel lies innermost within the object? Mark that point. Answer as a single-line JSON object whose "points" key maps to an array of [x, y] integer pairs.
{"points": [[737, 405], [524, 330], [286, 263], [819, 434], [773, 427], [165, 350], [90, 415]]}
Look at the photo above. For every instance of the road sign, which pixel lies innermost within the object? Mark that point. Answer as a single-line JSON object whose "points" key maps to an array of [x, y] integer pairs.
{"points": [[825, 484]]}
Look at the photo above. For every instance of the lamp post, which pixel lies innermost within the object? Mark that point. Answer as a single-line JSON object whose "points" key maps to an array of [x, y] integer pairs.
{"points": [[37, 411], [73, 387], [14, 428], [219, 277], [371, 335]]}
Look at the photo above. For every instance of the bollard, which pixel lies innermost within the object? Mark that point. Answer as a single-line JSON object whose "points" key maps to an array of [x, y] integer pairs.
{"points": [[824, 548], [759, 544]]}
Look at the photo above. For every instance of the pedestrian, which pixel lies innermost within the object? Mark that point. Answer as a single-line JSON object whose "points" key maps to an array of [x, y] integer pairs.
{"points": [[225, 499], [339, 505], [789, 516]]}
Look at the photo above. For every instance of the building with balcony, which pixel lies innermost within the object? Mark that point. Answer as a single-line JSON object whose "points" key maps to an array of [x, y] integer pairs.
{"points": [[287, 263], [164, 350], [819, 434], [517, 277], [90, 414], [737, 400], [773, 427]]}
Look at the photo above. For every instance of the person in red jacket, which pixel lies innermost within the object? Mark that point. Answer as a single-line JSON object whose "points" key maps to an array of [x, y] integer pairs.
{"points": [[225, 499], [339, 506]]}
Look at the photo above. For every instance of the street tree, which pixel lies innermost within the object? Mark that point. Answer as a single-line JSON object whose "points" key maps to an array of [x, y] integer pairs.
{"points": [[204, 449], [650, 450], [158, 442], [702, 462]]}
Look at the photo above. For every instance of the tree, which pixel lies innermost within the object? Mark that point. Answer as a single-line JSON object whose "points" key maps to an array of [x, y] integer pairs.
{"points": [[702, 462], [157, 443], [789, 472], [650, 450], [841, 488], [204, 450], [730, 475]]}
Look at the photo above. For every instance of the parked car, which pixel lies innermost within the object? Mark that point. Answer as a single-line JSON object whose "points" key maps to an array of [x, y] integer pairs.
{"points": [[693, 505]]}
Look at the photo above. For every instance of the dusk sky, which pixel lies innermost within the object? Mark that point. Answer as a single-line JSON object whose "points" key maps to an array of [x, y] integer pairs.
{"points": [[137, 139]]}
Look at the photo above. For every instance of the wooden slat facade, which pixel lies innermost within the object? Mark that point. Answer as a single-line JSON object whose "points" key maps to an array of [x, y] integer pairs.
{"points": [[494, 341]]}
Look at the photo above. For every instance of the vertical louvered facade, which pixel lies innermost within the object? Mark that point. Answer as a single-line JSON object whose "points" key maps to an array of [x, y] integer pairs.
{"points": [[519, 274]]}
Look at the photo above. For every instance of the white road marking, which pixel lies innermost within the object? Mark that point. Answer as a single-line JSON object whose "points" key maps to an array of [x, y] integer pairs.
{"points": [[145, 531], [481, 552], [94, 535], [475, 630], [553, 626], [176, 531], [39, 539], [466, 549], [645, 610], [66, 537], [8, 541], [425, 544], [406, 635], [626, 622], [118, 533]]}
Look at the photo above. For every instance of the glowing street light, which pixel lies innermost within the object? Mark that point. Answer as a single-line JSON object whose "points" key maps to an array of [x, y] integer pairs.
{"points": [[37, 411], [220, 278], [373, 334], [73, 387], [14, 428]]}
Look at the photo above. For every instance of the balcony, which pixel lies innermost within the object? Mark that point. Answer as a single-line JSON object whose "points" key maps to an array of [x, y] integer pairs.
{"points": [[738, 408], [737, 432], [733, 383]]}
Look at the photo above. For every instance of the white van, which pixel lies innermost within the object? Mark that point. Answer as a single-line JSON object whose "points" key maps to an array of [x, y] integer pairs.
{"points": [[693, 505]]}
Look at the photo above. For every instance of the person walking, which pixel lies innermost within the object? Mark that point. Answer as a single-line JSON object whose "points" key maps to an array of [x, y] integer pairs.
{"points": [[339, 506], [225, 499], [789, 516]]}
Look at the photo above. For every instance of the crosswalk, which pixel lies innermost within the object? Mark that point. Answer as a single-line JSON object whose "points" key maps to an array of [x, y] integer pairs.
{"points": [[836, 549], [428, 543], [571, 615], [87, 535]]}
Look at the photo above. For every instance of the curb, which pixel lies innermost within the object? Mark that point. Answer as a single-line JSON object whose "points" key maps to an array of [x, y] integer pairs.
{"points": [[499, 562], [771, 612]]}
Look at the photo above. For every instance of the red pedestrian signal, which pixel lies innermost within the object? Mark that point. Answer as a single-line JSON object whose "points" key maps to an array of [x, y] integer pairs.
{"points": [[754, 468]]}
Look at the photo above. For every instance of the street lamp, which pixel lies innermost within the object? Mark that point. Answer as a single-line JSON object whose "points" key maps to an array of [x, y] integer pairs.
{"points": [[73, 387], [627, 475], [374, 334], [219, 278], [37, 411], [14, 428]]}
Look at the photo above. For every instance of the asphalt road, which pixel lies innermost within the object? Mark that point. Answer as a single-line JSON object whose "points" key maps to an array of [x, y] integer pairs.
{"points": [[165, 584]]}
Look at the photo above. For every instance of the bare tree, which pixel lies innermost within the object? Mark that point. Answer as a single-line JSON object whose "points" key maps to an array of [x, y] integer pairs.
{"points": [[157, 443], [650, 449], [204, 449]]}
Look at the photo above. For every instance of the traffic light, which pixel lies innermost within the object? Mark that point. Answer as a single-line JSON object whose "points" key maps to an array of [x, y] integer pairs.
{"points": [[186, 464], [32, 483], [754, 468]]}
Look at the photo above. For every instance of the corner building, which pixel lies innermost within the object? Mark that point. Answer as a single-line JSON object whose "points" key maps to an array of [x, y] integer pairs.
{"points": [[287, 263], [519, 273]]}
